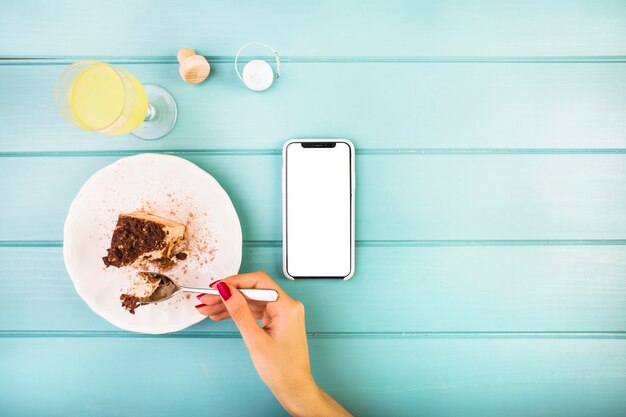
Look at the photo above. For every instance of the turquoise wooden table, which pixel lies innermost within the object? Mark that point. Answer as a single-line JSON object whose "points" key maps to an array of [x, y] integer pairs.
{"points": [[491, 203]]}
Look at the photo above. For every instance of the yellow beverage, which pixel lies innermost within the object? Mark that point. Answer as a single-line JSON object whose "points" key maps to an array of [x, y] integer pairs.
{"points": [[104, 100]]}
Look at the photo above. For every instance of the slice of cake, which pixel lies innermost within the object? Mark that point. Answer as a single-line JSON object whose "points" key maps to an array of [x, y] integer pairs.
{"points": [[147, 288], [140, 291], [140, 238]]}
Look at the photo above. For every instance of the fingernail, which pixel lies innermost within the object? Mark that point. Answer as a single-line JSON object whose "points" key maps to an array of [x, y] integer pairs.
{"points": [[201, 305], [199, 296], [213, 283], [223, 290]]}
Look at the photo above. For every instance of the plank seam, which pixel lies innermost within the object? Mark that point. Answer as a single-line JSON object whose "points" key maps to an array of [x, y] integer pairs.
{"points": [[414, 59], [380, 243], [366, 151], [323, 335]]}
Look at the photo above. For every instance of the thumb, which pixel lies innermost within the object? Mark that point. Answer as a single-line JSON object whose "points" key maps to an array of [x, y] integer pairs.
{"points": [[237, 307]]}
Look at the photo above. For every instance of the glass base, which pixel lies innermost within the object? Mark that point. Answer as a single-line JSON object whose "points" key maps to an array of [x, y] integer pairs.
{"points": [[164, 117]]}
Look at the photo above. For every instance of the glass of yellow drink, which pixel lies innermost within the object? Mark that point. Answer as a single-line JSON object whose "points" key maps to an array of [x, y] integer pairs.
{"points": [[96, 96]]}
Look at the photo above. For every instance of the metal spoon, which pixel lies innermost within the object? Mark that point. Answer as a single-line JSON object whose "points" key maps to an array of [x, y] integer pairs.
{"points": [[167, 288]]}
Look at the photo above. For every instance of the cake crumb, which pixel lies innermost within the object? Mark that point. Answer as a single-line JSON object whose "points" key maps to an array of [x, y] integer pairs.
{"points": [[129, 302]]}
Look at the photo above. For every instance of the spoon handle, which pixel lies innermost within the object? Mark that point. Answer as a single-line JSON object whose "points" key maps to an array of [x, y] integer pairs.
{"points": [[260, 295], [250, 293]]}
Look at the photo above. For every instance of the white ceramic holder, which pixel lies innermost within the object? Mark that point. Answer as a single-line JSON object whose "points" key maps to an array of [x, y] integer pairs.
{"points": [[257, 74]]}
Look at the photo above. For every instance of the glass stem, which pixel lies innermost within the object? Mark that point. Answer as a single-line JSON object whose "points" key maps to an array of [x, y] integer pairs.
{"points": [[152, 113]]}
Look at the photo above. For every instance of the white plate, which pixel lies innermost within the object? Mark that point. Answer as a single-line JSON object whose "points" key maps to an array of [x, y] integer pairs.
{"points": [[167, 186]]}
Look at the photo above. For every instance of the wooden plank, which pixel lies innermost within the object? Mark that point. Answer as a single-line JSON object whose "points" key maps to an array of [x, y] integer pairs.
{"points": [[399, 197], [378, 105], [371, 377], [325, 28], [395, 289]]}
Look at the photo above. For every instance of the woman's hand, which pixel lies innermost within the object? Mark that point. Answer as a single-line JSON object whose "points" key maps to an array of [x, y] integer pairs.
{"points": [[279, 349]]}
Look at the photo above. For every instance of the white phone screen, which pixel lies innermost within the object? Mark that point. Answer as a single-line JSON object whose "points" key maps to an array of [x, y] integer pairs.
{"points": [[318, 209]]}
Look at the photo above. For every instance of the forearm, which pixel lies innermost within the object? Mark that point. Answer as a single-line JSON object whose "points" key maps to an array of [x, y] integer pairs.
{"points": [[310, 400], [331, 407]]}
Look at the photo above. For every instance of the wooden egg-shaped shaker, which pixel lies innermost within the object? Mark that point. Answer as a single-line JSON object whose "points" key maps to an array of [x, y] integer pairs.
{"points": [[193, 68]]}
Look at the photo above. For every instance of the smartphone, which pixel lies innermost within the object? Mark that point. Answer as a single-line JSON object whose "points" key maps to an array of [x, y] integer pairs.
{"points": [[318, 208]]}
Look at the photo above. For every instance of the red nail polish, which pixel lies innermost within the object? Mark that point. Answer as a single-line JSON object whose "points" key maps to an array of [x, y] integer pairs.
{"points": [[201, 305], [223, 290], [199, 296], [213, 283]]}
